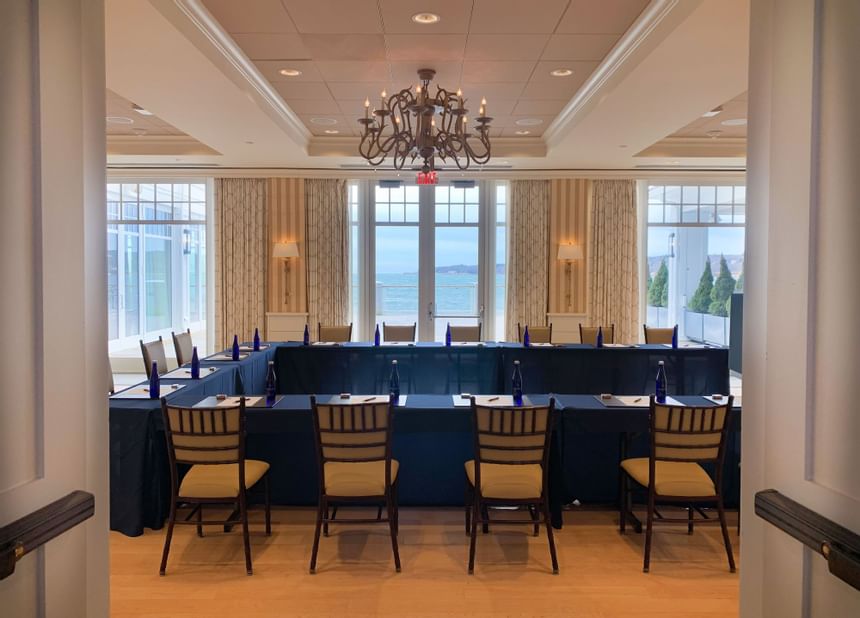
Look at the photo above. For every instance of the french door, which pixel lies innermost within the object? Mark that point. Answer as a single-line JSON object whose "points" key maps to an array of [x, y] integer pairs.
{"points": [[428, 254]]}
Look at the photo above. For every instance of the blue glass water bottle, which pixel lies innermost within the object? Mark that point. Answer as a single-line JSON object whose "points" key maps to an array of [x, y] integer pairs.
{"points": [[195, 364], [517, 384], [448, 335], [660, 390], [154, 382], [527, 340], [394, 383], [235, 347], [675, 337], [376, 336], [306, 339], [599, 336], [256, 340], [271, 385]]}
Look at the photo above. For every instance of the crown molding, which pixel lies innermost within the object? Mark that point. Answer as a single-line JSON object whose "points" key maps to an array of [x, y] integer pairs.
{"points": [[245, 70], [633, 39], [502, 147], [697, 147]]}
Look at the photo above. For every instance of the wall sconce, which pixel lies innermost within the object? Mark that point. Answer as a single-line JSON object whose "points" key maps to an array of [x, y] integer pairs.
{"points": [[567, 254], [286, 251]]}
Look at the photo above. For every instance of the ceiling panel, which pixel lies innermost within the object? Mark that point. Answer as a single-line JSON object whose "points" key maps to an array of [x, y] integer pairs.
{"points": [[732, 110], [454, 16], [334, 16], [251, 15], [346, 46], [265, 46], [134, 123], [425, 47], [579, 46], [497, 70], [503, 50], [517, 16], [505, 46], [603, 17]]}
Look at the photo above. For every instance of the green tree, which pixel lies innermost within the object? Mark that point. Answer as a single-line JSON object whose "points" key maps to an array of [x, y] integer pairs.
{"points": [[739, 286], [658, 290], [702, 298], [722, 291]]}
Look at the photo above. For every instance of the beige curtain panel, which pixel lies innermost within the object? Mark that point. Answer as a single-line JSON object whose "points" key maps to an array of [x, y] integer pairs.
{"points": [[528, 255], [240, 258], [327, 246], [613, 271]]}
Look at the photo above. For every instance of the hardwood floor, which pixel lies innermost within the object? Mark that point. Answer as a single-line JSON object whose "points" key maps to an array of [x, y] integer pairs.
{"points": [[601, 571]]}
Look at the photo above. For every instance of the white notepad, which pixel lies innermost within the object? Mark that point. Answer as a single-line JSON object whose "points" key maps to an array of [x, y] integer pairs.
{"points": [[142, 392]]}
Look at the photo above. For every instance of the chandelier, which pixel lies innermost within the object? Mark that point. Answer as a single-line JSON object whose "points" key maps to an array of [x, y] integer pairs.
{"points": [[412, 124]]}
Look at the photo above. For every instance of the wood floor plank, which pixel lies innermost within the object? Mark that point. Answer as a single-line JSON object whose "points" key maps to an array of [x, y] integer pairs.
{"points": [[601, 571]]}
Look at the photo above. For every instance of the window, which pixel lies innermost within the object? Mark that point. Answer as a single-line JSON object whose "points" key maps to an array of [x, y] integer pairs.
{"points": [[430, 255], [156, 262], [695, 258]]}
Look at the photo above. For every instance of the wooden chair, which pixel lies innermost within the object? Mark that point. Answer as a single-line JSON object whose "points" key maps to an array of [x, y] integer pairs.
{"points": [[510, 468], [588, 334], [392, 332], [212, 442], [537, 334], [465, 333], [154, 352], [183, 347], [355, 466], [682, 438], [111, 385], [660, 335], [336, 334]]}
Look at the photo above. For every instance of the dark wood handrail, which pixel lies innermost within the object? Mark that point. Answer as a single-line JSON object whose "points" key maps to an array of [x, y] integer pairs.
{"points": [[27, 534], [839, 545]]}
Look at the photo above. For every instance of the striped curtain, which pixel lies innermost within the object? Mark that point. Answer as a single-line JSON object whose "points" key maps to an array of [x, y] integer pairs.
{"points": [[327, 249], [240, 258], [613, 270], [286, 212], [528, 255]]}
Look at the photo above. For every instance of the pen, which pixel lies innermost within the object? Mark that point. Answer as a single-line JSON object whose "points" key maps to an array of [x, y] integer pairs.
{"points": [[492, 399]]}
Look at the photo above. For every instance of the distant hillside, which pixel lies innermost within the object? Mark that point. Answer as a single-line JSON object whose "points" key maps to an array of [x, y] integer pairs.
{"points": [[735, 262], [466, 269]]}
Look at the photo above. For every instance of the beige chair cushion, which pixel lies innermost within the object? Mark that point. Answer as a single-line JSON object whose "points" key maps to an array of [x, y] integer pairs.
{"points": [[674, 478], [503, 481], [220, 480], [354, 479]]}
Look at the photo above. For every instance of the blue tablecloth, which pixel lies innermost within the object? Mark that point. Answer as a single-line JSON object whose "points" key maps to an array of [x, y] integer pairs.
{"points": [[432, 438]]}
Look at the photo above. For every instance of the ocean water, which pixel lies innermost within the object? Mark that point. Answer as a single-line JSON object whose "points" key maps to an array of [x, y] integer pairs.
{"points": [[456, 294]]}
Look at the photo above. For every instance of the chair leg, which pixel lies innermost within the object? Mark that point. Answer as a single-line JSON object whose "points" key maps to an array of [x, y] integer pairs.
{"points": [[392, 527], [468, 506], [168, 537], [321, 509], [199, 519], [328, 518], [379, 513], [690, 520], [550, 538], [726, 540], [648, 530], [243, 509], [485, 523], [622, 502], [268, 507], [476, 510], [396, 499], [534, 515]]}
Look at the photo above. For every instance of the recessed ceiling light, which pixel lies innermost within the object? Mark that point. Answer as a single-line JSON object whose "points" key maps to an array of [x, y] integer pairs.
{"points": [[324, 121], [676, 162], [140, 110], [426, 18], [290, 72], [118, 120], [561, 72], [622, 145], [714, 134], [523, 132], [528, 122], [332, 131], [734, 122], [713, 112], [139, 132], [249, 142]]}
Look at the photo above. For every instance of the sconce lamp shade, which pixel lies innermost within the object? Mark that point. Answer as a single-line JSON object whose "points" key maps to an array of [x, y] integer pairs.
{"points": [[285, 250], [569, 252]]}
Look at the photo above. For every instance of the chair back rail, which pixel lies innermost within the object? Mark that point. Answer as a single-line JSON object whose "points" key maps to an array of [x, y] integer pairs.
{"points": [[398, 332], [466, 333], [340, 333], [154, 352], [537, 334], [588, 334], [659, 335], [183, 346]]}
